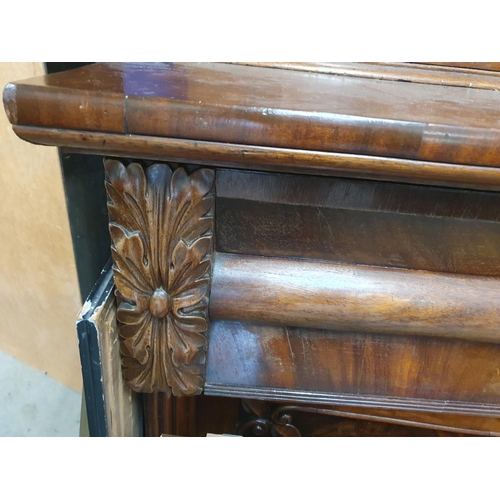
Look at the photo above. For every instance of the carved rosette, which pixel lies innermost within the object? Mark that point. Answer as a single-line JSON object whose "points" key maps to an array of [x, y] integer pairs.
{"points": [[161, 227]]}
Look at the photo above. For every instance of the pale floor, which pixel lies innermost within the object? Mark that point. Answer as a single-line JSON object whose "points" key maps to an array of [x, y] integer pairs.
{"points": [[34, 404]]}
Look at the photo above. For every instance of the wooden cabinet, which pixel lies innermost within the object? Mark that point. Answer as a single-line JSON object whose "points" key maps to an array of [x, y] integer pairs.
{"points": [[314, 248]]}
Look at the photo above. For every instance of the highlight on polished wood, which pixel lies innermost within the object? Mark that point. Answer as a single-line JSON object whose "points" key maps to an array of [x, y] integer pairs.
{"points": [[292, 109], [355, 298], [475, 75], [321, 241], [161, 227], [280, 160], [359, 370]]}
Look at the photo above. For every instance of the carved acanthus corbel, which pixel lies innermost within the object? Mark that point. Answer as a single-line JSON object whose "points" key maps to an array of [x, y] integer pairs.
{"points": [[161, 227]]}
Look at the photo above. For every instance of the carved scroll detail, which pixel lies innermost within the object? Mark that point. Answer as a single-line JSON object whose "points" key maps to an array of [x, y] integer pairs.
{"points": [[161, 227], [263, 419]]}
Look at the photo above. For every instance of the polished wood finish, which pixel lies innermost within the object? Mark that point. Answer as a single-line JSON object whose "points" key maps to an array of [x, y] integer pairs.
{"points": [[194, 416], [295, 420], [469, 75], [356, 222], [266, 158], [372, 223], [466, 424], [355, 298], [292, 109], [321, 425], [484, 66], [365, 370], [167, 414], [201, 415], [161, 227]]}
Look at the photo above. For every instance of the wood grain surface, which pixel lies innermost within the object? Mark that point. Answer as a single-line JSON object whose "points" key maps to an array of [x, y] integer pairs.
{"points": [[302, 313], [165, 413], [267, 107], [467, 424], [372, 223], [355, 298], [470, 75], [343, 368], [266, 158], [319, 422], [261, 418]]}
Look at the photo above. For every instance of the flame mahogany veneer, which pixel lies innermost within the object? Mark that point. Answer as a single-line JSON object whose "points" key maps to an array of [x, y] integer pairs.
{"points": [[320, 240]]}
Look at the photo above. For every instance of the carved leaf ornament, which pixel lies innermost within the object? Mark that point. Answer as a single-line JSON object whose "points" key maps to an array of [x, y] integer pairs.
{"points": [[161, 227]]}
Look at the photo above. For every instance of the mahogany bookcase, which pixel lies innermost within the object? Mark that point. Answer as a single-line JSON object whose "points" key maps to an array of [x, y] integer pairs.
{"points": [[297, 248]]}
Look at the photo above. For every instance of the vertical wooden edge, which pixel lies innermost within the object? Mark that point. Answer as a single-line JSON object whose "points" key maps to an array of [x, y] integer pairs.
{"points": [[113, 409], [165, 413], [185, 416], [9, 102], [151, 425]]}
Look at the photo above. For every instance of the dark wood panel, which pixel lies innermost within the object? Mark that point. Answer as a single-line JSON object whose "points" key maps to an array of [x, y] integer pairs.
{"points": [[371, 238], [317, 425], [216, 415], [267, 107], [189, 416], [370, 223], [165, 413], [358, 195], [265, 158], [271, 419], [440, 421], [365, 370], [158, 414]]}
